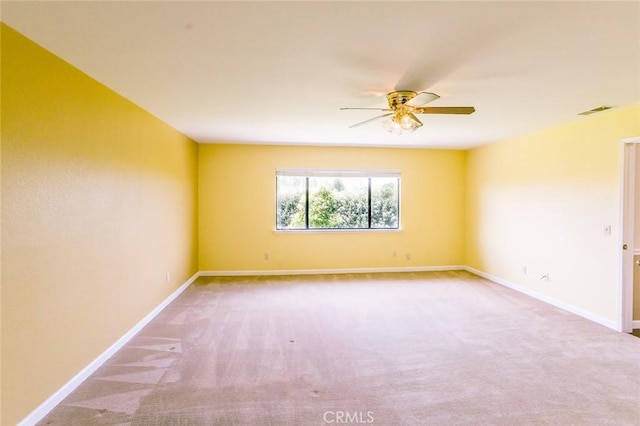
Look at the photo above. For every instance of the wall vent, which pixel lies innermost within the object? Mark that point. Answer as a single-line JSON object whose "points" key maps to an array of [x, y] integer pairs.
{"points": [[593, 111]]}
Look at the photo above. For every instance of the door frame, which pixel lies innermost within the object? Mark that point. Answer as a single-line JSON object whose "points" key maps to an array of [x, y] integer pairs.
{"points": [[628, 151]]}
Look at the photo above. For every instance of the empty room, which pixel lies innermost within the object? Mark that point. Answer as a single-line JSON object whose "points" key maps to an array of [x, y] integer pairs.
{"points": [[316, 213]]}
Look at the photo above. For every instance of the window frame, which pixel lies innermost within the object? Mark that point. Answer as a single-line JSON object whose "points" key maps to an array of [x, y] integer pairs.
{"points": [[307, 173]]}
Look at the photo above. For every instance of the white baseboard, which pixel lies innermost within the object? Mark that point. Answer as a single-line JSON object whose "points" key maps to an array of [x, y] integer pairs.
{"points": [[38, 414], [635, 325], [547, 299], [332, 271]]}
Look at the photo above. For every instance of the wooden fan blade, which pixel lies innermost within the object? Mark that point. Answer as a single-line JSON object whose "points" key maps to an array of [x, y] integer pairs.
{"points": [[370, 120], [422, 98], [369, 109], [444, 110]]}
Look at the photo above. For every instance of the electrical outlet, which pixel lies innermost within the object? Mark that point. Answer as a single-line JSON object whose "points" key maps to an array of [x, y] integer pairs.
{"points": [[167, 277], [266, 256], [408, 256], [395, 253], [524, 269]]}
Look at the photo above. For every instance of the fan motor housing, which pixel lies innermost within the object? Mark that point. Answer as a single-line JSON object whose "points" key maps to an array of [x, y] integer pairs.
{"points": [[399, 97]]}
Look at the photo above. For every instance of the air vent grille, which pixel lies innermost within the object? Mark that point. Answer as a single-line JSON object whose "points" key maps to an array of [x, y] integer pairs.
{"points": [[593, 111]]}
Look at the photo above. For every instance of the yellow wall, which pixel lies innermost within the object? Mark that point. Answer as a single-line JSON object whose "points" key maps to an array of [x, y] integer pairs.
{"points": [[0, 230], [542, 201], [237, 210], [98, 204]]}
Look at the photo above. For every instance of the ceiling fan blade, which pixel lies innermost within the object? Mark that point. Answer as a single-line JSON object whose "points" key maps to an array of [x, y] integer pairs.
{"points": [[369, 109], [444, 110], [370, 120], [414, 118], [422, 98]]}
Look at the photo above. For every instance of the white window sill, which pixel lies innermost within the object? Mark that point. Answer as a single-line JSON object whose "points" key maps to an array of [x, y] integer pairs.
{"points": [[335, 231]]}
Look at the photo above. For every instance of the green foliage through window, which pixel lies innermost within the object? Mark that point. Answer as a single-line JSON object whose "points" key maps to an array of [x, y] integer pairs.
{"points": [[327, 202]]}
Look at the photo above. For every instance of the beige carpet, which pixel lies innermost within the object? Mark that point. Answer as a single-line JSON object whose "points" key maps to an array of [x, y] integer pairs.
{"points": [[442, 348]]}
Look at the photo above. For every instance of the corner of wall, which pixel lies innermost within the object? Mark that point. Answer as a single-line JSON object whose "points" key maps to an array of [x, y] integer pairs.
{"points": [[537, 206]]}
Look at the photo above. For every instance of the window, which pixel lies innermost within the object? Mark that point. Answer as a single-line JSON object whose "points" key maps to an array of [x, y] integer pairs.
{"points": [[311, 199]]}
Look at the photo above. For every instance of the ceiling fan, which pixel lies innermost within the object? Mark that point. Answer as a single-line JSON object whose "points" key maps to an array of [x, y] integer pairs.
{"points": [[403, 107]]}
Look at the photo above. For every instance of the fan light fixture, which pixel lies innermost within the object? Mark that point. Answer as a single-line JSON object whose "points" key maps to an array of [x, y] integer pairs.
{"points": [[400, 122]]}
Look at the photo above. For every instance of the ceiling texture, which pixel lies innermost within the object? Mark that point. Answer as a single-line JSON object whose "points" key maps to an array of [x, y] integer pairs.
{"points": [[278, 72]]}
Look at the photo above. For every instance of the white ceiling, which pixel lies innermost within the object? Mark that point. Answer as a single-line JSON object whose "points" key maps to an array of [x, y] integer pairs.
{"points": [[278, 72]]}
